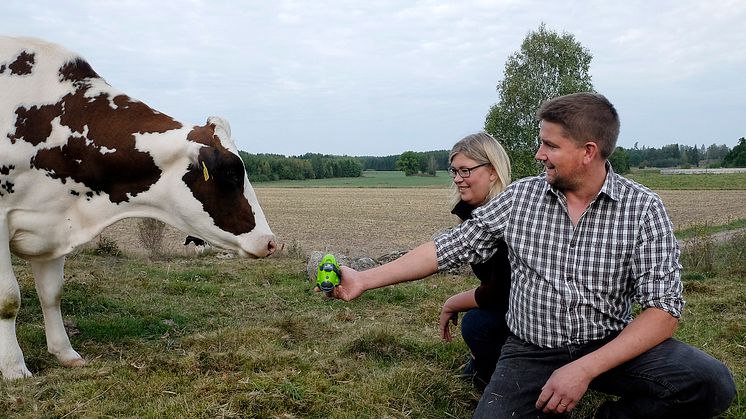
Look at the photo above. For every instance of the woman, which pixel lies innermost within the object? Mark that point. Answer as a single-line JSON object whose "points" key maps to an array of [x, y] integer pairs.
{"points": [[480, 169]]}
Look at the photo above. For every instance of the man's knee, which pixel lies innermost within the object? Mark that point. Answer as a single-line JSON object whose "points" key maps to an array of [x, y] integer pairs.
{"points": [[717, 381]]}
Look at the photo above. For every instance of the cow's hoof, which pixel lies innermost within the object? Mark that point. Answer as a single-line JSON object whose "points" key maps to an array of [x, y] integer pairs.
{"points": [[73, 362], [16, 373], [70, 359]]}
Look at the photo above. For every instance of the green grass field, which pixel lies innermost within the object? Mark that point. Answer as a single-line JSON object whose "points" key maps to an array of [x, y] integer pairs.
{"points": [[370, 179], [389, 179], [205, 338], [653, 179]]}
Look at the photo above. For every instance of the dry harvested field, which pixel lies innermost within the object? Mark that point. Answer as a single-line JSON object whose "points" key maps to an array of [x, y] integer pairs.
{"points": [[373, 222]]}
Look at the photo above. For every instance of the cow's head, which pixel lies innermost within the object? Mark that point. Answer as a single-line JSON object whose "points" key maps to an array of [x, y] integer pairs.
{"points": [[217, 179]]}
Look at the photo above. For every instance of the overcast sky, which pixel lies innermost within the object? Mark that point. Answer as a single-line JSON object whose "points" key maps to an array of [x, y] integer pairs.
{"points": [[382, 77]]}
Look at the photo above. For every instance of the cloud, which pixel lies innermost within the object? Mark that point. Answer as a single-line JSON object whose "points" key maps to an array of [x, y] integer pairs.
{"points": [[399, 75]]}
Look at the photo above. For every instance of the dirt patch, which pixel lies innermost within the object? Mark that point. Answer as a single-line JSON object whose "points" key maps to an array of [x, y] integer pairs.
{"points": [[374, 222]]}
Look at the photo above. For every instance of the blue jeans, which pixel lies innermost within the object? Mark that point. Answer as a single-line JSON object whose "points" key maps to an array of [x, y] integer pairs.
{"points": [[484, 332], [672, 380]]}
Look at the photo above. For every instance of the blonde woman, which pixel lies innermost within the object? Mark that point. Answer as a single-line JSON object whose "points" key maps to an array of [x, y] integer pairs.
{"points": [[480, 169]]}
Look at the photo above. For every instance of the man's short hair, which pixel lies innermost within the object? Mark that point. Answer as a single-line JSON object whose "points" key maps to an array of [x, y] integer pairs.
{"points": [[585, 116]]}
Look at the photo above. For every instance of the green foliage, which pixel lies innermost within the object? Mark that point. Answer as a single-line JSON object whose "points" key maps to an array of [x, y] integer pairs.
{"points": [[429, 162], [548, 65], [619, 160], [271, 167], [409, 163], [737, 156], [106, 246], [676, 155]]}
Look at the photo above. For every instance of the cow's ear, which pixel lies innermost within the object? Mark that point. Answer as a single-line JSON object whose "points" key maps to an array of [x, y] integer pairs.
{"points": [[222, 128], [193, 151]]}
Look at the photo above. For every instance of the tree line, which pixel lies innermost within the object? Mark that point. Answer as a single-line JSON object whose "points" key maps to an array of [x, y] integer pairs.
{"points": [[268, 167], [675, 155]]}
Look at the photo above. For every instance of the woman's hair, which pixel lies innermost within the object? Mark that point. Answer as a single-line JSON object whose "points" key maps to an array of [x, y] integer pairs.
{"points": [[483, 148]]}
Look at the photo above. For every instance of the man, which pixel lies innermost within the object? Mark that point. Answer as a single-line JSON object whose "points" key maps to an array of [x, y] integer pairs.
{"points": [[584, 244]]}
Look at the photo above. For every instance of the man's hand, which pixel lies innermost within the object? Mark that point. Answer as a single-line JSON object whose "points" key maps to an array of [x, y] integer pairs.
{"points": [[564, 389], [350, 285]]}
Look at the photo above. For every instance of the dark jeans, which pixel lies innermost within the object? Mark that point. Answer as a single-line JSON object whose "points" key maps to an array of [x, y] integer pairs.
{"points": [[484, 332], [672, 380]]}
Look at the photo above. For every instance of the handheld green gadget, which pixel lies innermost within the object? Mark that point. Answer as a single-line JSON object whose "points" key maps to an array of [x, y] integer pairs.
{"points": [[328, 274]]}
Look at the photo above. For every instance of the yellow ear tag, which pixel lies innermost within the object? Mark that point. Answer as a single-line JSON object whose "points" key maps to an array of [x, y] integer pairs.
{"points": [[205, 172]]}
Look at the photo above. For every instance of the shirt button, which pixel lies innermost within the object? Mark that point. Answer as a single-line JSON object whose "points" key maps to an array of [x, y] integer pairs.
{"points": [[572, 245]]}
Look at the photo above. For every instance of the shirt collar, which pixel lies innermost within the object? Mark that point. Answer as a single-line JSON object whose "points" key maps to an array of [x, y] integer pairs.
{"points": [[610, 187]]}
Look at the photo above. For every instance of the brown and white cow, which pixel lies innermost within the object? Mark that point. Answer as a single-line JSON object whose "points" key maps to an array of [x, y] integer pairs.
{"points": [[76, 155]]}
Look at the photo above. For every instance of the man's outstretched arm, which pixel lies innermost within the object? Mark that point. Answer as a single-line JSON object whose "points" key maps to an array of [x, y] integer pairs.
{"points": [[419, 263]]}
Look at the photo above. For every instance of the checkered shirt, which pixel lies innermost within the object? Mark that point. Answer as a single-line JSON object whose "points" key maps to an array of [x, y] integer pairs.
{"points": [[574, 284]]}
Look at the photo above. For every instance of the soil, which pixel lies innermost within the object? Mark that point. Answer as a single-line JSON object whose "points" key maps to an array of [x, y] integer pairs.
{"points": [[375, 222]]}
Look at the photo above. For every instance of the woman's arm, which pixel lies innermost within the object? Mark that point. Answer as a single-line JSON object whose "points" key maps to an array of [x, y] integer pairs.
{"points": [[455, 304]]}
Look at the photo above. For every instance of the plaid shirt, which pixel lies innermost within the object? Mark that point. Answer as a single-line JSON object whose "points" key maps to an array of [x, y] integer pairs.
{"points": [[574, 284]]}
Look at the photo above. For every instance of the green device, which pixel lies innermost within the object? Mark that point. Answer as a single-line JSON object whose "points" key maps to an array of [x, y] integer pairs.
{"points": [[328, 275]]}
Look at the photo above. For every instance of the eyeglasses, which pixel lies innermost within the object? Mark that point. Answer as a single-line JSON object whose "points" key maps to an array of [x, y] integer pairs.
{"points": [[464, 172]]}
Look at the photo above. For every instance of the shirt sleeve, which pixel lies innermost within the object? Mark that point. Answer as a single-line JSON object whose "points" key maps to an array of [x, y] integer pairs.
{"points": [[475, 240], [656, 266]]}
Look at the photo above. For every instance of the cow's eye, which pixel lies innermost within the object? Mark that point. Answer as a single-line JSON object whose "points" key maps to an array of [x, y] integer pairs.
{"points": [[233, 178]]}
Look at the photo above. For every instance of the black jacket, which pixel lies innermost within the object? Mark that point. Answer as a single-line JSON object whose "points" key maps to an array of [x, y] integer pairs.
{"points": [[494, 274]]}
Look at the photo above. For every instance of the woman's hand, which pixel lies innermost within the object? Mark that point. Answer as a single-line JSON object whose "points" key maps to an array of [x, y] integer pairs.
{"points": [[447, 316], [449, 313]]}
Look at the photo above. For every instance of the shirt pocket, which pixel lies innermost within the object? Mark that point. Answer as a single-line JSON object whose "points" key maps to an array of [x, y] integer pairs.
{"points": [[607, 260]]}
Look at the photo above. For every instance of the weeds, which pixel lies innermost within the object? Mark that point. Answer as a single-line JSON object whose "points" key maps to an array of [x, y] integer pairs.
{"points": [[150, 232], [698, 251], [106, 246]]}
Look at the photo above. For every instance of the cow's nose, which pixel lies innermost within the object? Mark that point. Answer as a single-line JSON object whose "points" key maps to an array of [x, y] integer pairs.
{"points": [[271, 247]]}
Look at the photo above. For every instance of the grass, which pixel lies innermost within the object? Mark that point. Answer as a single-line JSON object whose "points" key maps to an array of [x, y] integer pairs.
{"points": [[391, 179], [210, 338], [708, 229], [369, 179], [653, 179]]}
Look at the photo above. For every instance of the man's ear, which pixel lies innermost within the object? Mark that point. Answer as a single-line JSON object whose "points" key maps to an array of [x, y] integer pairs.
{"points": [[591, 151]]}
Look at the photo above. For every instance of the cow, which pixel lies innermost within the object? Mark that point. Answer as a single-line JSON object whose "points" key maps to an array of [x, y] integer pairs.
{"points": [[77, 155], [200, 246]]}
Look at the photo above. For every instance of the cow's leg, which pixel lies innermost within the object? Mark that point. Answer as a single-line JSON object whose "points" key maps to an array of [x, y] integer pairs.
{"points": [[49, 279], [11, 357]]}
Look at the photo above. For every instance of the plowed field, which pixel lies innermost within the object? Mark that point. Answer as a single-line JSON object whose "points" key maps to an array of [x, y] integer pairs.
{"points": [[374, 222]]}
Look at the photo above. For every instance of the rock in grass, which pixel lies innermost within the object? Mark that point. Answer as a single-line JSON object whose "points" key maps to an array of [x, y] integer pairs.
{"points": [[359, 264]]}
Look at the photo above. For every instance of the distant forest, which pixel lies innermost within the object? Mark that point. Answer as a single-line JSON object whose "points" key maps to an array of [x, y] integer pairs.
{"points": [[268, 167]]}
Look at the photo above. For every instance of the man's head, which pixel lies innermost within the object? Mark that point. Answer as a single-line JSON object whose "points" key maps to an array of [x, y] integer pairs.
{"points": [[585, 117]]}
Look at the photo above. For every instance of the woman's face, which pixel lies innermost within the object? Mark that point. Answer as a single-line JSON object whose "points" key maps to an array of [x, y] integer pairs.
{"points": [[473, 189]]}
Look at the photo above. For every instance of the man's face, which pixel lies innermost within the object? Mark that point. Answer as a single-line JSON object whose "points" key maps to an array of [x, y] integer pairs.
{"points": [[561, 156]]}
